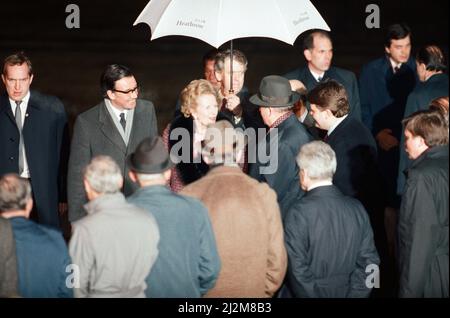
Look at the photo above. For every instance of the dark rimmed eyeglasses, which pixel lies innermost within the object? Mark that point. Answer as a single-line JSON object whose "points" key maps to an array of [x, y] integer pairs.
{"points": [[133, 90]]}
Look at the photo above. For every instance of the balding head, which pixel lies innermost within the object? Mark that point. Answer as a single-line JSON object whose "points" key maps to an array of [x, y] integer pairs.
{"points": [[15, 193]]}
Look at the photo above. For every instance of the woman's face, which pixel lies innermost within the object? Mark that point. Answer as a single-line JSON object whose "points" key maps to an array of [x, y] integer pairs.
{"points": [[206, 111]]}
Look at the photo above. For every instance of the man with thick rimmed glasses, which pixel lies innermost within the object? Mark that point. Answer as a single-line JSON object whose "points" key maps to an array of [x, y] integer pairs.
{"points": [[113, 128]]}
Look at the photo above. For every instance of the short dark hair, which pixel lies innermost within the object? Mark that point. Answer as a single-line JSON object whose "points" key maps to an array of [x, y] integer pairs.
{"points": [[111, 75], [428, 124], [18, 59], [396, 31], [308, 41], [432, 57], [209, 56], [330, 95]]}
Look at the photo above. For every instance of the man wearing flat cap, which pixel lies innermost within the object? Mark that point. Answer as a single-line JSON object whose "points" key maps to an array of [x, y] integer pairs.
{"points": [[245, 218], [188, 263], [282, 143]]}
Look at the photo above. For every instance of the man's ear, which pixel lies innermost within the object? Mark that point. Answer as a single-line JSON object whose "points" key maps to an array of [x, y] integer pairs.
{"points": [[329, 113], [110, 94], [3, 79], [387, 50], [132, 176], [29, 207], [31, 78], [307, 54], [421, 142]]}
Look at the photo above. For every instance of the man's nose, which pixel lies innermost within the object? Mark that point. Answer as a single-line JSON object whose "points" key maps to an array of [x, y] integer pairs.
{"points": [[17, 85]]}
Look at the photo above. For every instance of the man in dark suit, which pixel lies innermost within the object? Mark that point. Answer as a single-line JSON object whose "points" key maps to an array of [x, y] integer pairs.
{"points": [[356, 153], [384, 86], [328, 235], [431, 66], [33, 135], [283, 141], [318, 52], [113, 128], [43, 261], [8, 263], [353, 143]]}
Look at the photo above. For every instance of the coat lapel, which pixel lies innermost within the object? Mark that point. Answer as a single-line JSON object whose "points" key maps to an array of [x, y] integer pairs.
{"points": [[5, 108], [109, 129], [139, 122]]}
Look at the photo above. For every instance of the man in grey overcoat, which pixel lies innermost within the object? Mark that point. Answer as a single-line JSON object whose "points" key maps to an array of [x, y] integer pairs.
{"points": [[113, 128]]}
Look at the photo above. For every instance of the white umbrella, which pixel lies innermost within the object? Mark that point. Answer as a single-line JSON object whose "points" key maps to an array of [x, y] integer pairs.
{"points": [[219, 21]]}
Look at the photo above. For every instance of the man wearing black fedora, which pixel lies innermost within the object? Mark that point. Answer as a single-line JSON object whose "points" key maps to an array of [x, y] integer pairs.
{"points": [[188, 263], [282, 143]]}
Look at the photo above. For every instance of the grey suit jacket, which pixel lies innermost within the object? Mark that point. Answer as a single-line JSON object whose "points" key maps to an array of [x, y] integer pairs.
{"points": [[8, 261], [95, 134]]}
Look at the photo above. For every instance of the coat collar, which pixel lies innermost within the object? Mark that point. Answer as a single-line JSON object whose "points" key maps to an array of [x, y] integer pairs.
{"points": [[105, 202], [330, 190], [433, 152], [151, 190], [221, 169]]}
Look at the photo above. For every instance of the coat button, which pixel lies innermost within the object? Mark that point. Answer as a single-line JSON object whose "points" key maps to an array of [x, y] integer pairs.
{"points": [[11, 158], [11, 139]]}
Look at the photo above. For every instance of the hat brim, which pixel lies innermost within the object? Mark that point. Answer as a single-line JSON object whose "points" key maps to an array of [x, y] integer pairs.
{"points": [[149, 169], [256, 100]]}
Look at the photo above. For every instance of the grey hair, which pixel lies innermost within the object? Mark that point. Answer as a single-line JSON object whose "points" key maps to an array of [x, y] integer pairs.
{"points": [[103, 175], [238, 56], [318, 159], [14, 192]]}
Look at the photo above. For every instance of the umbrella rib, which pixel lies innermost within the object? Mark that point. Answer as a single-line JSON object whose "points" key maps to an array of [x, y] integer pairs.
{"points": [[216, 44], [284, 23]]}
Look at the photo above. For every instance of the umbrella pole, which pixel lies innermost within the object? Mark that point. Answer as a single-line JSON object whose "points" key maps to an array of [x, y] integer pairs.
{"points": [[231, 91]]}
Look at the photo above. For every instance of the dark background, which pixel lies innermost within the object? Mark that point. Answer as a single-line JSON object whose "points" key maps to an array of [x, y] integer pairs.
{"points": [[68, 62]]}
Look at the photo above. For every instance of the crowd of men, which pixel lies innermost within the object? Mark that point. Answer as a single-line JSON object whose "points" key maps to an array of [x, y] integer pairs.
{"points": [[344, 194]]}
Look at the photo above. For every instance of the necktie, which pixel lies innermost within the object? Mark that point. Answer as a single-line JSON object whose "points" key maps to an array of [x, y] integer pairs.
{"points": [[123, 122], [396, 69], [18, 117], [319, 79]]}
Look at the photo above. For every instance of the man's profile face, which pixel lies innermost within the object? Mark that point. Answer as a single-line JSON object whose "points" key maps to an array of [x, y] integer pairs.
{"points": [[209, 73], [412, 145], [320, 56], [125, 93], [399, 50], [17, 81], [320, 117]]}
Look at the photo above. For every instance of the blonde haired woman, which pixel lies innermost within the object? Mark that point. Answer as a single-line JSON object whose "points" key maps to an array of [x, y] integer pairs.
{"points": [[183, 137]]}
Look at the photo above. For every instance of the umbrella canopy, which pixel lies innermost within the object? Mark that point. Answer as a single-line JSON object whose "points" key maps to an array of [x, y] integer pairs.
{"points": [[219, 21]]}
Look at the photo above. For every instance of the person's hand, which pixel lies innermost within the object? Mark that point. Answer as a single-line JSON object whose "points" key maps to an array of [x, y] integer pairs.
{"points": [[385, 139], [233, 104]]}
